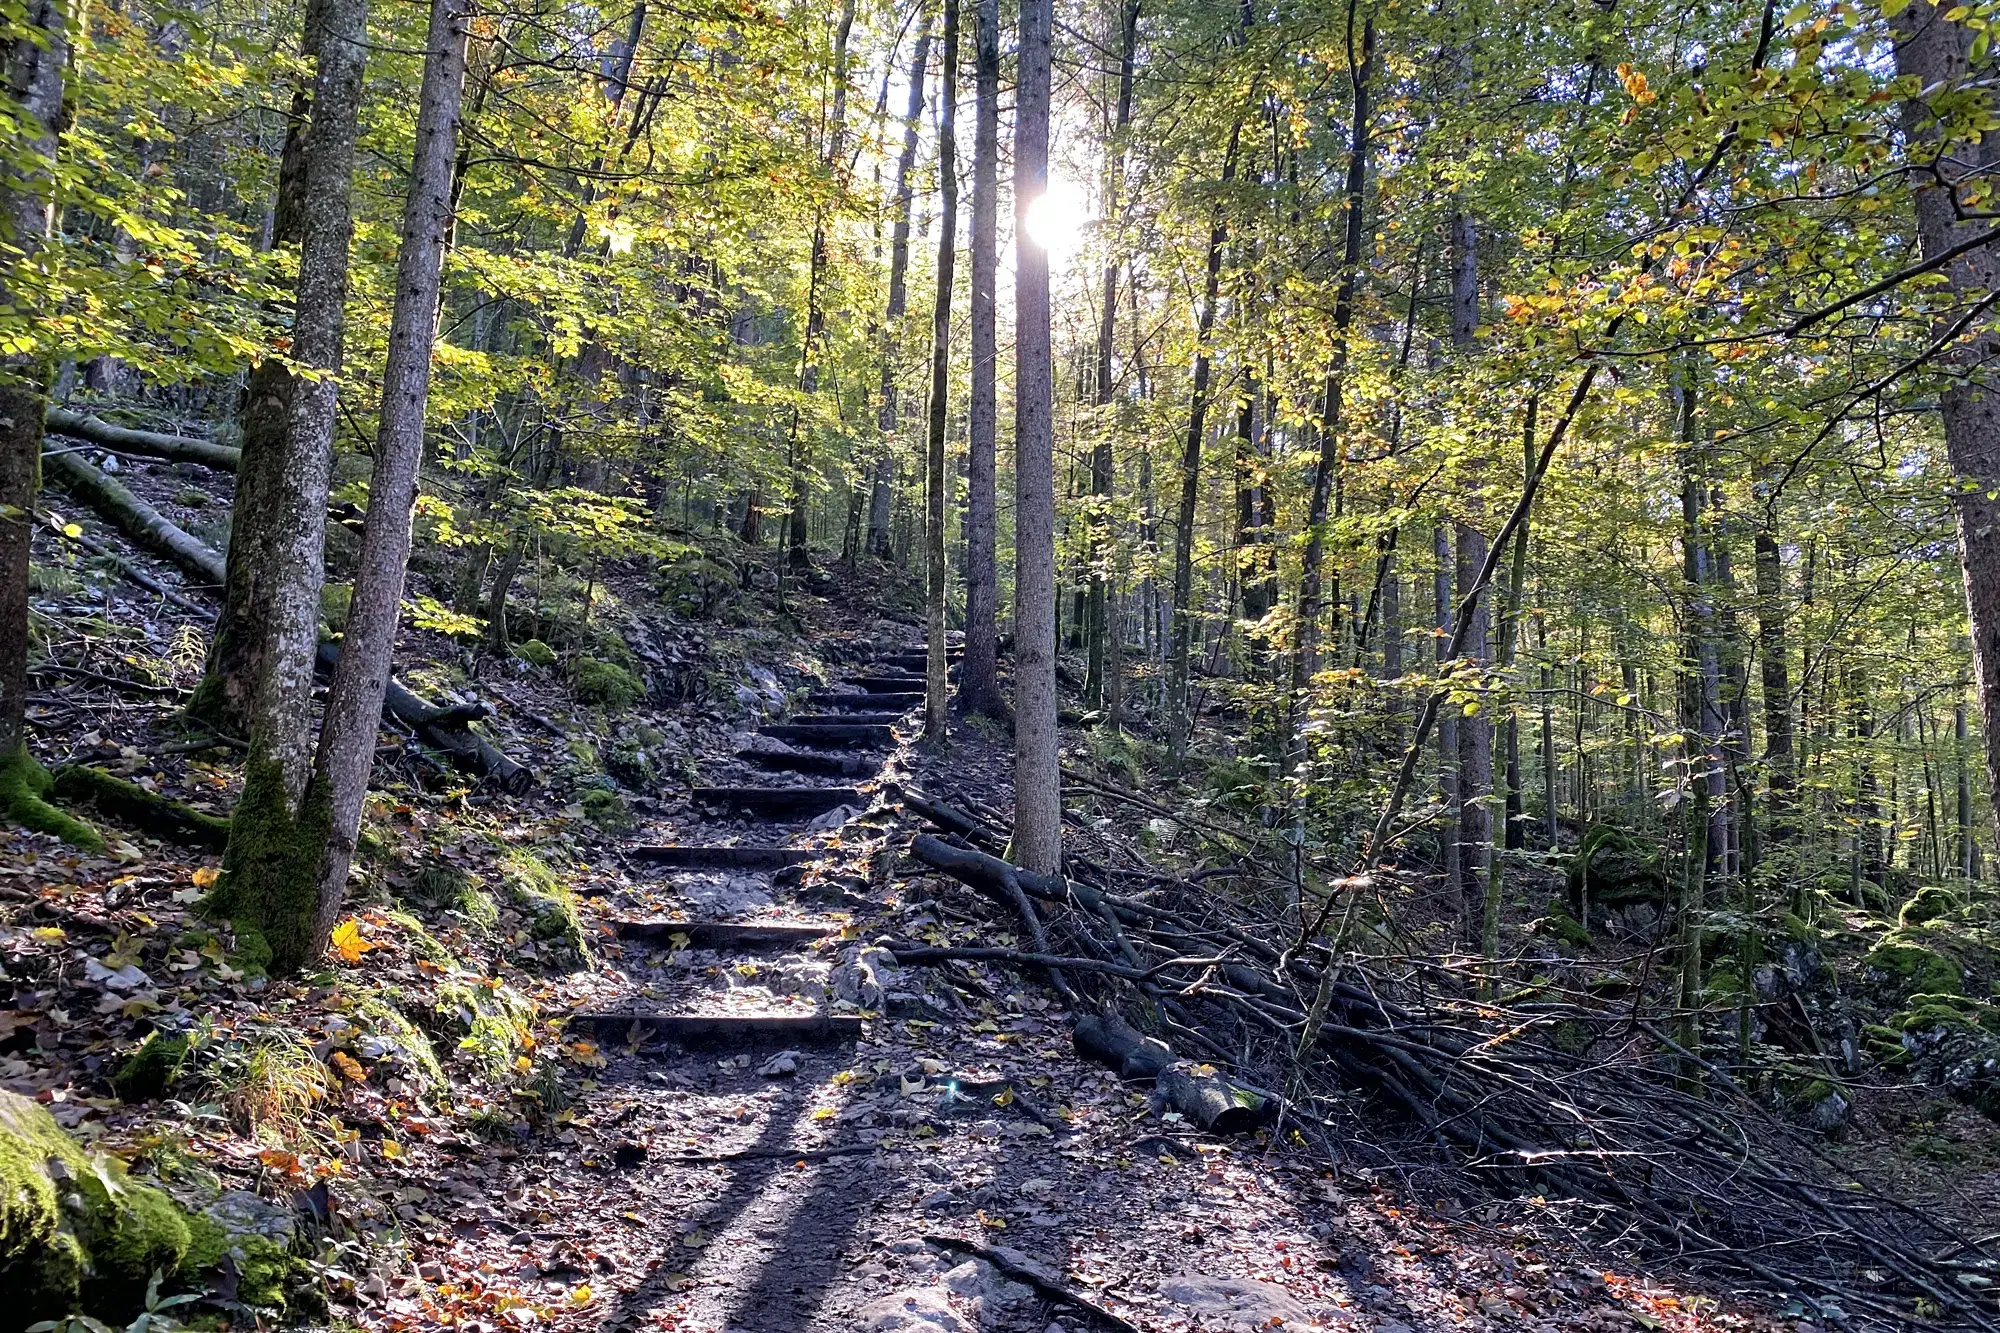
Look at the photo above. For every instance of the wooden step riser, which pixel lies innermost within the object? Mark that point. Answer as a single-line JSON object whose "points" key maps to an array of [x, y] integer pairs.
{"points": [[716, 1030], [781, 802], [729, 935], [722, 858]]}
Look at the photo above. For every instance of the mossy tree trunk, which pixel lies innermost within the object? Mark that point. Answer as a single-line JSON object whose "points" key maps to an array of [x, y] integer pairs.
{"points": [[270, 868]]}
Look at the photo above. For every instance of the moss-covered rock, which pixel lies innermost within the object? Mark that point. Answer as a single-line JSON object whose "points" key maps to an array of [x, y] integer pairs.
{"points": [[259, 1240], [149, 1071], [533, 888], [76, 1233], [535, 653], [1905, 965], [1613, 868], [608, 810], [24, 790], [609, 686], [1930, 902]]}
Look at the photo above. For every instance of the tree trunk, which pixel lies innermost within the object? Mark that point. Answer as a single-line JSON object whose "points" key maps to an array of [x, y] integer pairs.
{"points": [[1449, 845], [1305, 662], [978, 672], [1102, 471], [882, 490], [354, 703], [34, 73], [243, 640], [276, 836], [798, 552], [1179, 724], [1037, 768], [936, 685], [1937, 53]]}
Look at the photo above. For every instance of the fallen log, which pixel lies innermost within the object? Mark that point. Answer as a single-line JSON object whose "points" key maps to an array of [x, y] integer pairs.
{"points": [[153, 444], [139, 521], [1210, 1101], [1121, 1048], [447, 729]]}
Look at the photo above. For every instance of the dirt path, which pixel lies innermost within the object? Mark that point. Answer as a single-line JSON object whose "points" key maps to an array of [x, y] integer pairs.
{"points": [[767, 1181]]}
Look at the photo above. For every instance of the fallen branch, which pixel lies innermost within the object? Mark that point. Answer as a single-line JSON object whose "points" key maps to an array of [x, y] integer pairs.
{"points": [[147, 811], [126, 569], [1022, 1269]]}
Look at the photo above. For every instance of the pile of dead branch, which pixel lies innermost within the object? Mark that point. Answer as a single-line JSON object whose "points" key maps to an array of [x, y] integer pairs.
{"points": [[1588, 1105]]}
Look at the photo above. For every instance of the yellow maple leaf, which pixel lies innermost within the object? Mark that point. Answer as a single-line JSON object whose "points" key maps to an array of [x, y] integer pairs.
{"points": [[347, 942], [205, 876]]}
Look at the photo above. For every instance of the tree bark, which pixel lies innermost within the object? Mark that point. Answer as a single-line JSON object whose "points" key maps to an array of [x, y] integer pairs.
{"points": [[1102, 471], [936, 684], [1937, 54], [34, 74], [978, 672], [1305, 662], [1449, 845], [882, 490], [354, 704], [1179, 724], [276, 835], [243, 641], [1037, 769]]}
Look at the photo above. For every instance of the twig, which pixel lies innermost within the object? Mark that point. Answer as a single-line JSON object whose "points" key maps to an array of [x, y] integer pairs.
{"points": [[1021, 1270]]}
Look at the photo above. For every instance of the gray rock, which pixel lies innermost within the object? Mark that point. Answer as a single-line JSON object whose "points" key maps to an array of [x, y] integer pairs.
{"points": [[922, 1310], [782, 1065], [1231, 1302]]}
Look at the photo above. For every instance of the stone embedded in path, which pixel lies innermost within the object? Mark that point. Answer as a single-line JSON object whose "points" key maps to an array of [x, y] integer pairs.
{"points": [[924, 1310], [1237, 1302], [781, 802]]}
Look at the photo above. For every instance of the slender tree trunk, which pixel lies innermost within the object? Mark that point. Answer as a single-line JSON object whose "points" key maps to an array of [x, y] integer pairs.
{"points": [[276, 835], [1037, 842], [1179, 724], [1475, 732], [798, 551], [1102, 472], [1936, 53], [882, 488], [361, 677], [34, 74], [935, 683], [1305, 662], [1959, 731], [978, 671], [1450, 843]]}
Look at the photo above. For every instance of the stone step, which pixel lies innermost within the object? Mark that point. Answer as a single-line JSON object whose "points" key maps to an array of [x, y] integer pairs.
{"points": [[845, 719], [752, 857], [781, 802], [869, 702], [644, 1030], [904, 684], [823, 765], [910, 664], [730, 934], [846, 736]]}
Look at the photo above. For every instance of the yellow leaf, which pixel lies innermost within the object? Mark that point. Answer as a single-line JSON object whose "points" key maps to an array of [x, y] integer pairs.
{"points": [[823, 1113], [391, 1149], [581, 1296], [347, 943], [205, 876], [991, 1223], [1005, 1097], [348, 1066]]}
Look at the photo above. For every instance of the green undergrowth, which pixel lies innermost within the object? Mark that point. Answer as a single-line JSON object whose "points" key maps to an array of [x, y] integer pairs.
{"points": [[548, 903], [605, 684]]}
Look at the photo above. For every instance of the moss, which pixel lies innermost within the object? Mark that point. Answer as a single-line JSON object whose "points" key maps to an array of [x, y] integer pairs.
{"points": [[629, 762], [1930, 903], [608, 810], [336, 600], [1914, 968], [489, 1020], [1613, 867], [420, 940], [149, 1071], [605, 684], [269, 889], [1885, 1044], [24, 790], [147, 811], [396, 1031], [535, 653], [1933, 1013], [76, 1233], [240, 1229], [1559, 924], [547, 902], [442, 883]]}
